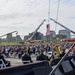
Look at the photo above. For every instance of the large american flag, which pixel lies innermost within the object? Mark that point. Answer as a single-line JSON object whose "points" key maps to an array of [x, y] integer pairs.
{"points": [[48, 29]]}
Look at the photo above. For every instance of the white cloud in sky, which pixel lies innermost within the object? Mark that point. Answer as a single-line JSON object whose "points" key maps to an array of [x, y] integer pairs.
{"points": [[26, 15]]}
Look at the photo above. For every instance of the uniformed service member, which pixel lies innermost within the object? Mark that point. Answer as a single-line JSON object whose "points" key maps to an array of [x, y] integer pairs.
{"points": [[42, 56], [26, 57]]}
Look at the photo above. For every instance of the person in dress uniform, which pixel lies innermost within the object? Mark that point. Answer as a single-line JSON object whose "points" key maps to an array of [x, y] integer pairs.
{"points": [[26, 57], [42, 56]]}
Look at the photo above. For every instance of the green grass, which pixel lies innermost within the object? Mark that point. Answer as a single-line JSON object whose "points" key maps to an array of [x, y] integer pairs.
{"points": [[9, 43], [20, 43], [52, 41]]}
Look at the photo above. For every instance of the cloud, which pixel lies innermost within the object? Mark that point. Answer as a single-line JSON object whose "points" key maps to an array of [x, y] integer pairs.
{"points": [[27, 15], [72, 17]]}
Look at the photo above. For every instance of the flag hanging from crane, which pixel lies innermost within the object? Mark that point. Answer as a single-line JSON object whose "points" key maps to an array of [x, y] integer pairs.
{"points": [[48, 29]]}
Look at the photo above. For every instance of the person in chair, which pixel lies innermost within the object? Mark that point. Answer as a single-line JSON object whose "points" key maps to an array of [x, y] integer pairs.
{"points": [[42, 56], [7, 63], [26, 57]]}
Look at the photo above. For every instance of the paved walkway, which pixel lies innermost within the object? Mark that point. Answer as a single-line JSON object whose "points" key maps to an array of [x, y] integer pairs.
{"points": [[14, 62], [17, 62]]}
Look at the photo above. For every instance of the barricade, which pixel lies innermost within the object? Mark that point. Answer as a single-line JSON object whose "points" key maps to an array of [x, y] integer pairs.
{"points": [[55, 61], [66, 66], [25, 69]]}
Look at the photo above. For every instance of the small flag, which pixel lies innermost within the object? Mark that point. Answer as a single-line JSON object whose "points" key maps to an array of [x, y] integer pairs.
{"points": [[48, 29]]}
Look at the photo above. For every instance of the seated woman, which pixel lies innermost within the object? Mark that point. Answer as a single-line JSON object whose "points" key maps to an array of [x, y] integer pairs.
{"points": [[5, 61]]}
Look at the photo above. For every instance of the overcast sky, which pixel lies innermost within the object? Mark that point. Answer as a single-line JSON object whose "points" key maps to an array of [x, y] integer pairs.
{"points": [[26, 15]]}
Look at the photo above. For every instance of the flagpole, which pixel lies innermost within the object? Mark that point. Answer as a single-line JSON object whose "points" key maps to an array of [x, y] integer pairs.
{"points": [[49, 12], [48, 25]]}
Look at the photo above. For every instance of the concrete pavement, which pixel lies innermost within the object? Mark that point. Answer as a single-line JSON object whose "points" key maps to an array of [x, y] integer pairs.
{"points": [[17, 61]]}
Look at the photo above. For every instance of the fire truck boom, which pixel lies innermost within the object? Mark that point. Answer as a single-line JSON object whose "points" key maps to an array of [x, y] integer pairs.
{"points": [[35, 31], [9, 33], [63, 26]]}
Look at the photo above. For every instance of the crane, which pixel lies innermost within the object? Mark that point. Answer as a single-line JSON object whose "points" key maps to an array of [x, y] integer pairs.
{"points": [[29, 39], [63, 26], [9, 33]]}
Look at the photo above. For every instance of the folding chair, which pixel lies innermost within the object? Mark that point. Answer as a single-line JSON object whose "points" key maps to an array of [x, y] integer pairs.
{"points": [[2, 64], [25, 62]]}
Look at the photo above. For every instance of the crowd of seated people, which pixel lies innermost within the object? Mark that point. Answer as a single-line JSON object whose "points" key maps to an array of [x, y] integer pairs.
{"points": [[24, 51]]}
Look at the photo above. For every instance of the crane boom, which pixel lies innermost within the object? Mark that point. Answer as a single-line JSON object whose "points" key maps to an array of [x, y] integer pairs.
{"points": [[9, 33], [63, 26], [36, 30]]}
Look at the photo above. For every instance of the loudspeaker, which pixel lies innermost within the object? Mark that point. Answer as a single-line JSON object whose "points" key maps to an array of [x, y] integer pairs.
{"points": [[45, 70], [57, 72], [66, 66]]}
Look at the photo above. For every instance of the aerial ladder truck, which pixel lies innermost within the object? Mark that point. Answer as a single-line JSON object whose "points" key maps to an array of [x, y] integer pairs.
{"points": [[29, 40], [9, 33], [68, 40]]}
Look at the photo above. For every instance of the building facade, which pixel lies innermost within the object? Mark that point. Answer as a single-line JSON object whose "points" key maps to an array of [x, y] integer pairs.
{"points": [[66, 33], [9, 37], [52, 34], [37, 36]]}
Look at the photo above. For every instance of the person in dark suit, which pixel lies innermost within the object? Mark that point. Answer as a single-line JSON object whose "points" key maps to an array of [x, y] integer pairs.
{"points": [[26, 57], [4, 60], [42, 56]]}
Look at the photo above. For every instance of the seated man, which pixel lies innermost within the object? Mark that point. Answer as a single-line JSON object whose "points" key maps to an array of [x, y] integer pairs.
{"points": [[5, 61], [25, 57], [42, 56]]}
